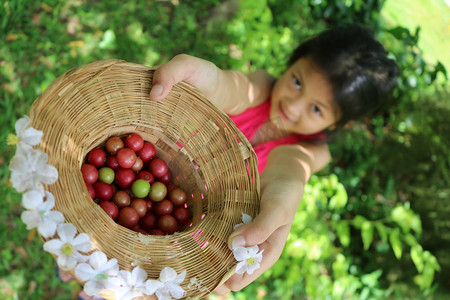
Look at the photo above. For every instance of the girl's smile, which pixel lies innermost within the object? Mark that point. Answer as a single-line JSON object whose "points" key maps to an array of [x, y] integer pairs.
{"points": [[302, 98]]}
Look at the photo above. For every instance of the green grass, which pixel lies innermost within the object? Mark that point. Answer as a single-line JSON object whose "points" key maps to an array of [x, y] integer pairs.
{"points": [[433, 17]]}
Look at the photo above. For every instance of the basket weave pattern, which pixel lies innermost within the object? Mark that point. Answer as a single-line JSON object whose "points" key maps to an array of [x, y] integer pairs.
{"points": [[209, 158]]}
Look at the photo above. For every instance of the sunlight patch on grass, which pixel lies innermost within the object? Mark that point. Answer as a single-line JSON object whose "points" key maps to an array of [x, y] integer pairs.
{"points": [[433, 17]]}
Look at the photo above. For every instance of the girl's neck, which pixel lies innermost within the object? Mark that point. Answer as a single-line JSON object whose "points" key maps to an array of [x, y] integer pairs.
{"points": [[269, 131]]}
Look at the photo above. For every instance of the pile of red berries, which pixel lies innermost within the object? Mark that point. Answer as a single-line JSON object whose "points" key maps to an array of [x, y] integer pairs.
{"points": [[134, 187]]}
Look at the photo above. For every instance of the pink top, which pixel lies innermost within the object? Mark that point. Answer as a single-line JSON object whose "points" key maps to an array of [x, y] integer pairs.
{"points": [[252, 119]]}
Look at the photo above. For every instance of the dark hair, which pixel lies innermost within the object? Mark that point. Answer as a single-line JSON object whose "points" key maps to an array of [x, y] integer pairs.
{"points": [[357, 66]]}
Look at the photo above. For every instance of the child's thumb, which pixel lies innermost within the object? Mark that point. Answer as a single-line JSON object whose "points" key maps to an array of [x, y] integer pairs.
{"points": [[258, 231]]}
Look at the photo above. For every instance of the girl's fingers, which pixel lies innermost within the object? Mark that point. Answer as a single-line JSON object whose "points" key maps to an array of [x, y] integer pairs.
{"points": [[271, 217], [272, 247]]}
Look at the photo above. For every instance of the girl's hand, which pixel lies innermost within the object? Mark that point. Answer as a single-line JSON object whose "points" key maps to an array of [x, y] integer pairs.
{"points": [[231, 91], [198, 72]]}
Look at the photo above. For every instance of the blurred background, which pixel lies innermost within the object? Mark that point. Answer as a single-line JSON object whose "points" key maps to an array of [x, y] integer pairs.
{"points": [[374, 225]]}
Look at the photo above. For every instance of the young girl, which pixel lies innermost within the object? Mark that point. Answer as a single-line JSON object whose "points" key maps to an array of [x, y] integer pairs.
{"points": [[340, 75]]}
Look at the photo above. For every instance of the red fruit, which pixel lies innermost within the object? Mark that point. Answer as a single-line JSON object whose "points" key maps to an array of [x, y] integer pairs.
{"points": [[167, 178], [125, 177], [103, 191], [121, 199], [165, 207], [147, 152], [134, 141], [181, 214], [126, 158], [91, 190], [110, 208], [146, 175], [149, 221], [171, 187], [150, 205], [168, 224], [177, 196], [156, 232], [128, 217], [111, 162], [114, 144], [140, 205], [90, 173], [97, 157], [158, 167], [137, 165]]}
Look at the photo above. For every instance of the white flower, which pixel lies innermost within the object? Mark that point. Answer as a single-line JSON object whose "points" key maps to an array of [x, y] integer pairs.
{"points": [[26, 137], [97, 272], [30, 170], [248, 258], [245, 220], [39, 213], [128, 285], [168, 284], [68, 247]]}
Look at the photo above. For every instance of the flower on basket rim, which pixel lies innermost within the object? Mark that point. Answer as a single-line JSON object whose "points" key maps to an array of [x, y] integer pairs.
{"points": [[168, 284], [26, 136], [245, 220], [39, 213], [249, 259], [96, 273], [128, 285], [30, 170], [68, 247]]}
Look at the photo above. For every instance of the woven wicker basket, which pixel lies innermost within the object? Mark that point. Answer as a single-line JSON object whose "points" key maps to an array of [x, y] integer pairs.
{"points": [[215, 164]]}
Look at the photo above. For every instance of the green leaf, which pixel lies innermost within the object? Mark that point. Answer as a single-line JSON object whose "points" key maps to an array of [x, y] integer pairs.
{"points": [[343, 232], [339, 200], [382, 231], [416, 256], [367, 234], [358, 221], [396, 244]]}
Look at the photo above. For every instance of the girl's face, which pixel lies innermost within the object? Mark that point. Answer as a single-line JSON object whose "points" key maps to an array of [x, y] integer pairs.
{"points": [[302, 100]]}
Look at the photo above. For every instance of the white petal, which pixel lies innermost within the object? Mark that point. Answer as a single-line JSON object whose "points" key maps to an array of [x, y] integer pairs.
{"points": [[175, 290], [48, 174], [55, 216], [258, 257], [246, 218], [114, 283], [80, 258], [241, 267], [163, 294], [85, 272], [82, 242], [93, 287], [66, 262], [31, 218], [31, 136], [22, 124], [240, 253], [32, 199], [180, 277], [151, 286], [138, 276], [111, 268], [23, 148], [237, 226], [47, 227], [123, 293], [53, 246], [252, 250], [98, 259], [167, 274], [66, 232], [252, 268]]}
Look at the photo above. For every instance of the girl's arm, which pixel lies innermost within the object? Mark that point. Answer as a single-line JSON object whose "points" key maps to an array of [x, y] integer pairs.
{"points": [[231, 91], [282, 185]]}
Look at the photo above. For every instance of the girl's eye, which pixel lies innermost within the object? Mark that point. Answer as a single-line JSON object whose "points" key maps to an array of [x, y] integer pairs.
{"points": [[297, 83], [316, 110]]}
